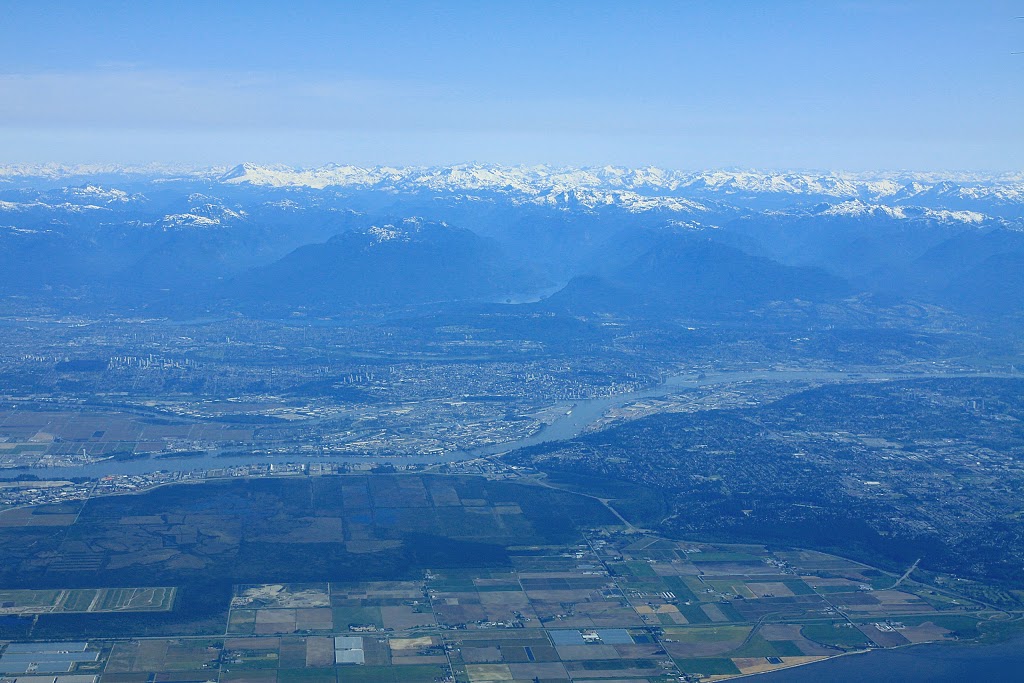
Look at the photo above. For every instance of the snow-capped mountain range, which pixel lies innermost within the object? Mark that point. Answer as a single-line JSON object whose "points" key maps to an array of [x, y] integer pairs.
{"points": [[546, 181], [350, 236], [219, 195]]}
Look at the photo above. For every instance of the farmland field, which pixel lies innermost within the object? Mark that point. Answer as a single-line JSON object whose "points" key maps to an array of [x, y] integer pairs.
{"points": [[555, 589], [94, 600]]}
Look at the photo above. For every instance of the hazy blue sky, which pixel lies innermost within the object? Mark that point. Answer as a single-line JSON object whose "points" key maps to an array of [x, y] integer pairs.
{"points": [[855, 84]]}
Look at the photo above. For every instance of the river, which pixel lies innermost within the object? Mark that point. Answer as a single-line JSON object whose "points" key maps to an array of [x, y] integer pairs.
{"points": [[576, 418], [933, 663]]}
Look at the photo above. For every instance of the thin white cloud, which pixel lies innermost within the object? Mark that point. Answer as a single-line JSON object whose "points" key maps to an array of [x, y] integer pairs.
{"points": [[158, 99], [124, 112], [216, 100]]}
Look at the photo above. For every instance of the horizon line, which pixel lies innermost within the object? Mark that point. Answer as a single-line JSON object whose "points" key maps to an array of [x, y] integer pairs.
{"points": [[154, 167]]}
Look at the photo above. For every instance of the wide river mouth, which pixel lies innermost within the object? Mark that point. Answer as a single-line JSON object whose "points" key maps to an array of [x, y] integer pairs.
{"points": [[575, 419]]}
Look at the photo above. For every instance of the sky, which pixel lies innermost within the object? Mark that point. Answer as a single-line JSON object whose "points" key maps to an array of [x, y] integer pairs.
{"points": [[687, 84]]}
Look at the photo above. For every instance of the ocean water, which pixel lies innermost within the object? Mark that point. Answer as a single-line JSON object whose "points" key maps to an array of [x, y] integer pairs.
{"points": [[934, 663]]}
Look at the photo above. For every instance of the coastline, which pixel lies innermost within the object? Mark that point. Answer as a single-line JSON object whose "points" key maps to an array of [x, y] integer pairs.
{"points": [[930, 662]]}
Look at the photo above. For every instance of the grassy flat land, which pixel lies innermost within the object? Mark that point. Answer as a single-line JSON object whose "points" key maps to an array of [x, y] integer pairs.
{"points": [[92, 600]]}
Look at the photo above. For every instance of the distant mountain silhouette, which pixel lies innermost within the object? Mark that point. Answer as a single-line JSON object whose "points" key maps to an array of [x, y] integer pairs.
{"points": [[697, 276], [993, 286], [413, 262]]}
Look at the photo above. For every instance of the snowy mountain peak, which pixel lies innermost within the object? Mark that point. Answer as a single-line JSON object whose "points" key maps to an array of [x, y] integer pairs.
{"points": [[857, 208], [952, 197], [540, 181]]}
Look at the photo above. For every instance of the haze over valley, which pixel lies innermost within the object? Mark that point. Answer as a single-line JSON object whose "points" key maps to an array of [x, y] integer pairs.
{"points": [[525, 343]]}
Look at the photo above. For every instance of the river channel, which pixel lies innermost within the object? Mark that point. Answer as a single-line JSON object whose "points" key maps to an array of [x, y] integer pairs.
{"points": [[575, 420]]}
